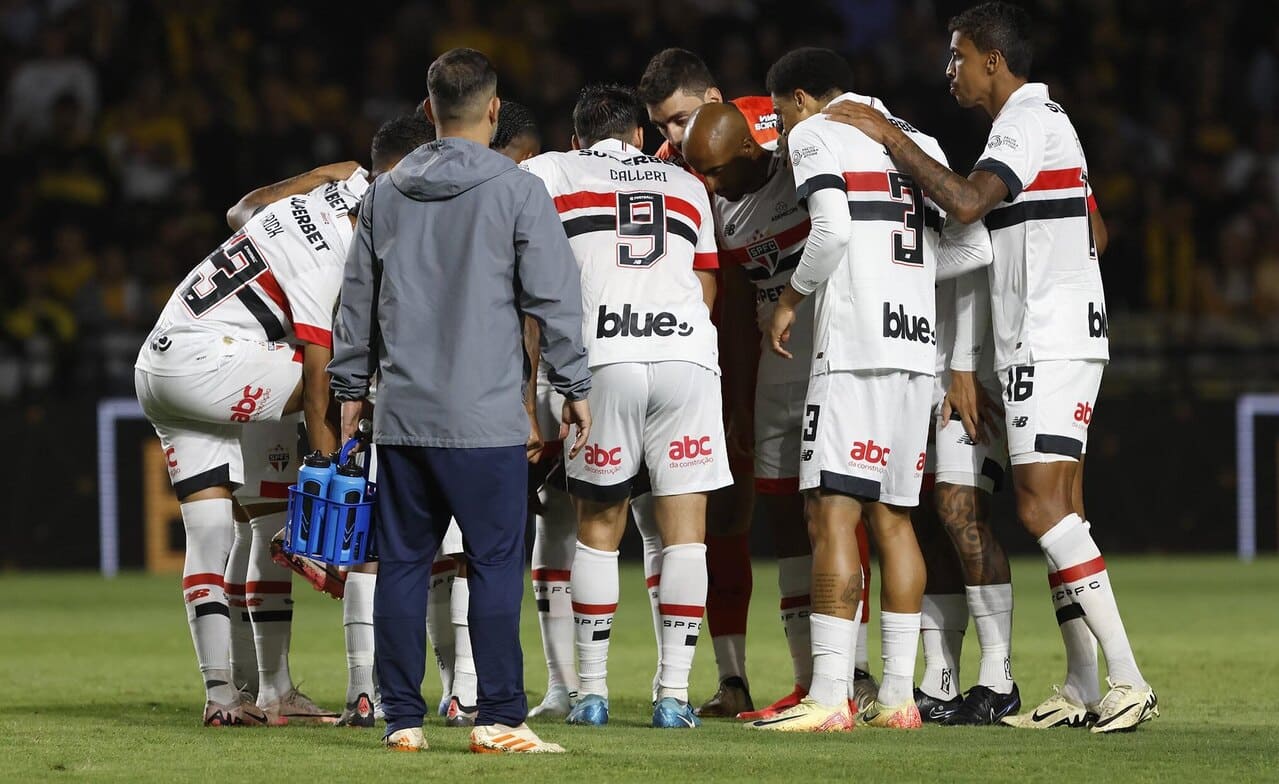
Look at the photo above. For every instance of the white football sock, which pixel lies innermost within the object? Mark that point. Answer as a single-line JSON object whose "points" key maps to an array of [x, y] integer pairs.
{"points": [[357, 627], [861, 656], [900, 639], [244, 656], [992, 609], [833, 644], [646, 524], [465, 683], [554, 544], [439, 619], [594, 588], [943, 618], [210, 531], [269, 590], [682, 604], [1081, 572], [794, 580], [852, 662]]}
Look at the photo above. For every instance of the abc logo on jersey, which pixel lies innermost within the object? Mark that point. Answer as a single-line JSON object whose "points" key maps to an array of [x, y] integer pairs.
{"points": [[869, 452], [634, 324], [900, 324], [243, 409], [690, 448], [601, 460]]}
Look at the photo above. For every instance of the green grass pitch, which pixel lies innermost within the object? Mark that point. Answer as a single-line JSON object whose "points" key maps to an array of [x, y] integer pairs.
{"points": [[98, 683]]}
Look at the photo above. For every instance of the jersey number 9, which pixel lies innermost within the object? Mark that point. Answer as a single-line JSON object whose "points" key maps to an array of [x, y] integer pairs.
{"points": [[641, 216]]}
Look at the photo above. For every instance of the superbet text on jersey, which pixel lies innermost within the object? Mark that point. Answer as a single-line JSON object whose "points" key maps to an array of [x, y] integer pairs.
{"points": [[877, 310], [639, 227], [1046, 293], [764, 234]]}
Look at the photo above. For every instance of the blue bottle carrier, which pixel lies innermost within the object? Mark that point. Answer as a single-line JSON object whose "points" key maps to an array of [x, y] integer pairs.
{"points": [[335, 532]]}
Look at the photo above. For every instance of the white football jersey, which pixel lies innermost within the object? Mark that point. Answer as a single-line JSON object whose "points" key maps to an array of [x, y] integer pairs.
{"points": [[638, 226], [277, 279], [877, 310], [1045, 283], [764, 233]]}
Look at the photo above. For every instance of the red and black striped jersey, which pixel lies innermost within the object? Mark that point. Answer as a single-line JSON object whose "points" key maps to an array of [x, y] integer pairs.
{"points": [[277, 279], [639, 227], [1046, 294]]}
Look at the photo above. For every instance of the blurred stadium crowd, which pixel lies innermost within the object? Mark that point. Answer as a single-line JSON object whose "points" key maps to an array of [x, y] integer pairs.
{"points": [[128, 128]]}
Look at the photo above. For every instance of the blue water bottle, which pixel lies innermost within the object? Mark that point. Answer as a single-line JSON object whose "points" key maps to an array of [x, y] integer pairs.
{"points": [[346, 487], [313, 480]]}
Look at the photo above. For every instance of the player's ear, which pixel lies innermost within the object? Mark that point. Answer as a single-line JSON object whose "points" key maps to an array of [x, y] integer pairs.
{"points": [[992, 61], [798, 97], [637, 139], [577, 145], [495, 108], [428, 111], [712, 95]]}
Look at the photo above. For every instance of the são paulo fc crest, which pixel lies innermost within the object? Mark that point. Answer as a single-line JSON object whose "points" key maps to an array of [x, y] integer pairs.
{"points": [[278, 458], [766, 254]]}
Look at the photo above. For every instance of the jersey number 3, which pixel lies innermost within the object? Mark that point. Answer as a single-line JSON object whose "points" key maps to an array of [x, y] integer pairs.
{"points": [[641, 217], [906, 243], [223, 273]]}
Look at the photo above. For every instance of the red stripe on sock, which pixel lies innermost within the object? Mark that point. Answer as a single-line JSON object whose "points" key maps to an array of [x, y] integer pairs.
{"points": [[683, 610], [203, 578], [238, 603], [1073, 574], [234, 589], [552, 575], [268, 586], [594, 609], [791, 602], [653, 581], [1053, 580]]}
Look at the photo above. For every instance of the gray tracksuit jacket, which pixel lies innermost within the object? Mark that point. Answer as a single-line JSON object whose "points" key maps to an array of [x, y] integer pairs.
{"points": [[452, 248]]}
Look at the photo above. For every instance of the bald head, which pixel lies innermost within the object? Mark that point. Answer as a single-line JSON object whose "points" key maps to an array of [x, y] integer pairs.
{"points": [[719, 146]]}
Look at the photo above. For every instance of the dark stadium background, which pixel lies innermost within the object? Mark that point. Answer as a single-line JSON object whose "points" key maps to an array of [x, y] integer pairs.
{"points": [[128, 128]]}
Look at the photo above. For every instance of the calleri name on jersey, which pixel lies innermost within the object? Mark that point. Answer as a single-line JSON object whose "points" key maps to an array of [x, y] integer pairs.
{"points": [[639, 227]]}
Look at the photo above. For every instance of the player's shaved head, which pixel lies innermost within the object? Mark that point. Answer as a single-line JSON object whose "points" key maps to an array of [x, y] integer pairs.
{"points": [[718, 145], [461, 83]]}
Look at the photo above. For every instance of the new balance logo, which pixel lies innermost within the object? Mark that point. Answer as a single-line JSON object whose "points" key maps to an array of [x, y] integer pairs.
{"points": [[806, 455], [1020, 421], [899, 324], [628, 324]]}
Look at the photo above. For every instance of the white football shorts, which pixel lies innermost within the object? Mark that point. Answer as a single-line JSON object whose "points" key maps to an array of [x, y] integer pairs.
{"points": [[955, 458], [271, 459], [1048, 406], [779, 415]]}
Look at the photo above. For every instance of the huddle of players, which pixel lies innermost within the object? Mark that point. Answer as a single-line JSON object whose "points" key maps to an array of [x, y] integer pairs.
{"points": [[902, 321]]}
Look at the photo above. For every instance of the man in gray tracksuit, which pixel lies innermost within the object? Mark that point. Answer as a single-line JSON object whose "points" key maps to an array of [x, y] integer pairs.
{"points": [[453, 247]]}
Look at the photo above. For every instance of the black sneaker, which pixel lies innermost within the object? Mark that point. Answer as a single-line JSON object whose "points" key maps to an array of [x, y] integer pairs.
{"points": [[732, 698], [935, 711], [358, 713], [983, 706]]}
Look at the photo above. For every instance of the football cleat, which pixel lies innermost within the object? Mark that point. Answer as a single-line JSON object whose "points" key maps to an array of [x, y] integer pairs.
{"points": [[358, 713], [1124, 707], [933, 710], [502, 739], [324, 578], [983, 706], [785, 703], [297, 708], [242, 714], [1056, 711], [410, 739], [460, 715], [673, 714], [865, 689], [732, 698], [807, 715], [895, 717], [556, 704], [590, 711]]}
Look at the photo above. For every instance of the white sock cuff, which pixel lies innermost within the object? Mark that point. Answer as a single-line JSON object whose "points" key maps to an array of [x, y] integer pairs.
{"points": [[689, 550], [460, 602], [591, 551], [357, 598], [834, 624], [268, 525], [946, 612], [986, 600], [1064, 527], [795, 575], [208, 513], [898, 622]]}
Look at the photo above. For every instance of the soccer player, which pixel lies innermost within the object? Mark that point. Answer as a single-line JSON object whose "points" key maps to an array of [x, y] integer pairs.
{"points": [[643, 234], [1051, 346], [675, 83], [872, 242], [761, 232], [245, 338], [395, 139], [517, 135]]}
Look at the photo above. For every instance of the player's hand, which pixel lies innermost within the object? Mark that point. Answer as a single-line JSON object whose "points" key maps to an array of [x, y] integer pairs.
{"points": [[578, 414], [783, 319], [336, 171], [533, 447], [869, 121], [979, 413]]}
